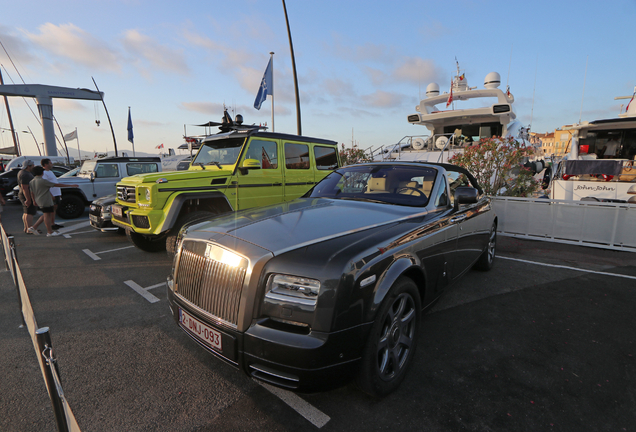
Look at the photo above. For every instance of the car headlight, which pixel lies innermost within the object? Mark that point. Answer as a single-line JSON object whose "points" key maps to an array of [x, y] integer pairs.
{"points": [[148, 194], [93, 207], [292, 289]]}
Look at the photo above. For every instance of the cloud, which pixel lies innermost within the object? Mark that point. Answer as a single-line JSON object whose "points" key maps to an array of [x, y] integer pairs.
{"points": [[416, 70], [18, 49], [361, 53], [72, 43], [148, 54], [383, 99]]}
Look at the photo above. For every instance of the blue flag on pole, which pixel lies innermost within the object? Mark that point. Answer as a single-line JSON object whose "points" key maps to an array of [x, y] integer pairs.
{"points": [[130, 128], [267, 86]]}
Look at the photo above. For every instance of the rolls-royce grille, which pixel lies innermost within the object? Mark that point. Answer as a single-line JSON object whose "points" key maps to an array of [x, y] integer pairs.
{"points": [[126, 193], [208, 283]]}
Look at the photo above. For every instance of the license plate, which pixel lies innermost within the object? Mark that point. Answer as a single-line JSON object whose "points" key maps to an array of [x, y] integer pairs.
{"points": [[200, 330], [116, 211]]}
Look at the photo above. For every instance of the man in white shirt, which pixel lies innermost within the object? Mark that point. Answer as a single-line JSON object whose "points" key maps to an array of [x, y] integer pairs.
{"points": [[611, 148], [56, 192]]}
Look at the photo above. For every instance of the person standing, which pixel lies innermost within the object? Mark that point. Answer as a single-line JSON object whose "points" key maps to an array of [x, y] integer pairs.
{"points": [[41, 194], [24, 178], [55, 191]]}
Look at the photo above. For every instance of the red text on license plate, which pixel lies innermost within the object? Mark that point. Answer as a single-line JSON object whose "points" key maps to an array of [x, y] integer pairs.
{"points": [[116, 211], [200, 330]]}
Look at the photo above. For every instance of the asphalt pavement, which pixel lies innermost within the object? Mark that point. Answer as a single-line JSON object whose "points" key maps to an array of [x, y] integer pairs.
{"points": [[543, 342]]}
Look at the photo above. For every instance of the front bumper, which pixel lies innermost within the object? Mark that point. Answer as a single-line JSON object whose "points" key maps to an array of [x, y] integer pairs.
{"points": [[140, 221], [275, 353]]}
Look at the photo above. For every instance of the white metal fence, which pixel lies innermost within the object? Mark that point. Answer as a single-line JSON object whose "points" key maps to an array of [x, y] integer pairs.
{"points": [[584, 223]]}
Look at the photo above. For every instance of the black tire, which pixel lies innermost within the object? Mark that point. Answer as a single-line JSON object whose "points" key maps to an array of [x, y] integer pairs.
{"points": [[195, 216], [71, 207], [487, 259], [392, 340], [147, 243]]}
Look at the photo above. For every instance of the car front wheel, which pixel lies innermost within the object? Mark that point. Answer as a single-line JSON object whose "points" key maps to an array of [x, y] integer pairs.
{"points": [[392, 340], [147, 243], [70, 207]]}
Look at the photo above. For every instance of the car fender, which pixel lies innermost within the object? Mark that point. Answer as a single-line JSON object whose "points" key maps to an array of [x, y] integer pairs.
{"points": [[400, 266], [177, 204], [75, 191]]}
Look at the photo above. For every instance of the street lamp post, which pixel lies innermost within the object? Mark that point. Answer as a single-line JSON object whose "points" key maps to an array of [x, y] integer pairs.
{"points": [[36, 141]]}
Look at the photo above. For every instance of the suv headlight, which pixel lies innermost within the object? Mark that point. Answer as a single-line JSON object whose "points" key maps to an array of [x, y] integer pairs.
{"points": [[292, 289], [148, 194]]}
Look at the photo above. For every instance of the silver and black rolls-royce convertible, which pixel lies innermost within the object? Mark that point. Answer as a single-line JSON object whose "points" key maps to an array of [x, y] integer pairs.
{"points": [[309, 293]]}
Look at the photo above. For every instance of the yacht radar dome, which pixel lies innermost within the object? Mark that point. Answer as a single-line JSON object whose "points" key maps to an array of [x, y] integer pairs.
{"points": [[492, 80], [432, 90]]}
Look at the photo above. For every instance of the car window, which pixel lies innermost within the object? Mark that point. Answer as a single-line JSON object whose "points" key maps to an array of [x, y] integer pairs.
{"points": [[391, 184], [141, 168], [296, 156], [107, 170], [223, 151], [441, 198], [265, 152], [326, 158]]}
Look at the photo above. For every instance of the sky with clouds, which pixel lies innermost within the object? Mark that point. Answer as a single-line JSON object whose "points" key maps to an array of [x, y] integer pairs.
{"points": [[362, 66]]}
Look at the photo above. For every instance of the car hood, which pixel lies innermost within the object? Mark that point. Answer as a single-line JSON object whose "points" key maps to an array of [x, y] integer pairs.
{"points": [[177, 176], [73, 180], [302, 222]]}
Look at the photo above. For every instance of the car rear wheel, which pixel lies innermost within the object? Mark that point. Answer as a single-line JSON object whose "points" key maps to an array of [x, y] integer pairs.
{"points": [[147, 243], [171, 239], [392, 340], [70, 207], [487, 258]]}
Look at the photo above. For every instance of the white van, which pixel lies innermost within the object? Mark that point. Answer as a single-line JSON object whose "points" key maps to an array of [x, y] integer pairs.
{"points": [[18, 161]]}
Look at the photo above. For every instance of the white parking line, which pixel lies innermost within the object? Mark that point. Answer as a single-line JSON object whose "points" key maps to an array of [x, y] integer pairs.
{"points": [[76, 233], [301, 406], [94, 254], [570, 268], [143, 291]]}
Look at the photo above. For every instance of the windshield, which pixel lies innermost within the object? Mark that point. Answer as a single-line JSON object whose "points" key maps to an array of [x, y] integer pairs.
{"points": [[223, 151], [87, 168], [390, 184], [70, 173]]}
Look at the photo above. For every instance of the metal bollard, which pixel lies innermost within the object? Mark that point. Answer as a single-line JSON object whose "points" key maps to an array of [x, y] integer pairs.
{"points": [[45, 347]]}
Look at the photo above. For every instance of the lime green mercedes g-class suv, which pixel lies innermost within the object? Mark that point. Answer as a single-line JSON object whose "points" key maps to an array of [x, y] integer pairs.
{"points": [[238, 168]]}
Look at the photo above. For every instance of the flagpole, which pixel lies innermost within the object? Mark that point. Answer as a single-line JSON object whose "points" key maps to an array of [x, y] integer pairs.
{"points": [[271, 55], [293, 59], [79, 153]]}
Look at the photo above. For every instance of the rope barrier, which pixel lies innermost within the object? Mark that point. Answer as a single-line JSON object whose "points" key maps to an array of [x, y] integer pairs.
{"points": [[41, 339]]}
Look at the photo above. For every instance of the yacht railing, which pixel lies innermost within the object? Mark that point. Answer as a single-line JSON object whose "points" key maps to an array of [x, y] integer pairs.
{"points": [[394, 151]]}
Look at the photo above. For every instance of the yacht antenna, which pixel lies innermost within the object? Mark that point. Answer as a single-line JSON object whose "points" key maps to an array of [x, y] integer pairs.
{"points": [[509, 65], [583, 96], [533, 92]]}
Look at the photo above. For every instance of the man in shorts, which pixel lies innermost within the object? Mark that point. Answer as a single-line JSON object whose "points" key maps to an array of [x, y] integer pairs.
{"points": [[55, 191], [24, 178], [41, 194]]}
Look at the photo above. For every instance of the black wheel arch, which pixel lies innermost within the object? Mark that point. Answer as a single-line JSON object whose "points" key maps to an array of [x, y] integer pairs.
{"points": [[185, 203], [404, 266]]}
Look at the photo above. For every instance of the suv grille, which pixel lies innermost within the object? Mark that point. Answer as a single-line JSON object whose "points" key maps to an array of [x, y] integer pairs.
{"points": [[209, 284], [126, 193]]}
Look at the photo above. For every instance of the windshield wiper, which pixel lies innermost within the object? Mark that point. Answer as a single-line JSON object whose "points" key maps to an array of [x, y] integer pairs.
{"points": [[359, 199], [215, 163], [201, 164]]}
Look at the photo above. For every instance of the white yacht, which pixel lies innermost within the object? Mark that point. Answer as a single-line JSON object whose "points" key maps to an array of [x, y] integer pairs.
{"points": [[451, 128], [601, 163]]}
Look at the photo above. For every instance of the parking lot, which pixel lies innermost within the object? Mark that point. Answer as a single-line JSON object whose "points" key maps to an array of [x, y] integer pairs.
{"points": [[545, 341]]}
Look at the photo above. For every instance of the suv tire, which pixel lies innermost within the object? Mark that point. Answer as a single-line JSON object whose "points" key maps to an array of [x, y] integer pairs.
{"points": [[71, 207], [171, 239], [147, 243]]}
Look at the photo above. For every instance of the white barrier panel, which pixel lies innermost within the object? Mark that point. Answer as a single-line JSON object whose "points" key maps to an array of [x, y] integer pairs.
{"points": [[584, 223]]}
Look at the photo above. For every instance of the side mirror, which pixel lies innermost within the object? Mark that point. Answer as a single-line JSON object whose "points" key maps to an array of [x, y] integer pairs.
{"points": [[465, 195], [249, 164], [93, 175]]}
